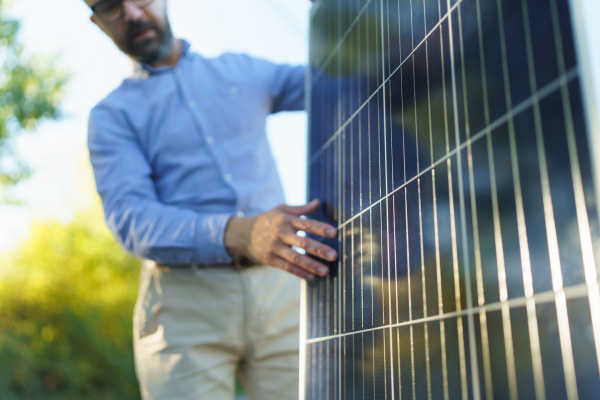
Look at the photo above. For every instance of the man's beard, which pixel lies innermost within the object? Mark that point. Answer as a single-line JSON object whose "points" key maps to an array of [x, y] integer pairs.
{"points": [[149, 50]]}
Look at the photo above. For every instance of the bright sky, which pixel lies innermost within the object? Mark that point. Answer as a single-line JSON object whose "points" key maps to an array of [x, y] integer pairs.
{"points": [[272, 29]]}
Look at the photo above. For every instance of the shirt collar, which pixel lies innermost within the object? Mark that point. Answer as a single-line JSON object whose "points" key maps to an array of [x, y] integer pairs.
{"points": [[143, 69]]}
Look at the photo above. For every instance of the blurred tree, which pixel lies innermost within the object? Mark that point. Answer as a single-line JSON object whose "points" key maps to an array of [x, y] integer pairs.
{"points": [[31, 88], [66, 302]]}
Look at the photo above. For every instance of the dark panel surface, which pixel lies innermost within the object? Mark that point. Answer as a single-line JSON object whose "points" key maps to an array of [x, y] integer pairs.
{"points": [[448, 145]]}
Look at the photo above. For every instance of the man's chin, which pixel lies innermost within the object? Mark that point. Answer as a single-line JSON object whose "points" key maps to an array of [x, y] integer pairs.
{"points": [[147, 51]]}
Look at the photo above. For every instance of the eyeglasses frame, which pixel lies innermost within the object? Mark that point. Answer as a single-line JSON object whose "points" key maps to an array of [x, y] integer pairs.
{"points": [[113, 20]]}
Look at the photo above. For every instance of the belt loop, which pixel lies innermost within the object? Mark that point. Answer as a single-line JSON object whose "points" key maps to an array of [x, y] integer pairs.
{"points": [[237, 263]]}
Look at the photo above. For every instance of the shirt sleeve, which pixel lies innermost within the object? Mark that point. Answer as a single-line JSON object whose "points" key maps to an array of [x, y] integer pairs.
{"points": [[139, 221], [288, 88]]}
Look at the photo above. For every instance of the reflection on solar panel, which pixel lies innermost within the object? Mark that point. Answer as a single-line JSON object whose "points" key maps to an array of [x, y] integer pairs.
{"points": [[449, 146]]}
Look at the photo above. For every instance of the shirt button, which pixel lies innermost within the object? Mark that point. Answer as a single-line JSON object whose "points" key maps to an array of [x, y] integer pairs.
{"points": [[228, 177], [240, 214], [234, 90], [192, 104], [210, 140]]}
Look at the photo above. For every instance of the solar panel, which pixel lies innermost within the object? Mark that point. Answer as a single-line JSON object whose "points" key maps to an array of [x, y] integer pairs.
{"points": [[449, 146]]}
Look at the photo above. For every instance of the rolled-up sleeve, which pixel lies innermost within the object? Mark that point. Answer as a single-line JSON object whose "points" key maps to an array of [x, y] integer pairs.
{"points": [[288, 88], [285, 83], [139, 221]]}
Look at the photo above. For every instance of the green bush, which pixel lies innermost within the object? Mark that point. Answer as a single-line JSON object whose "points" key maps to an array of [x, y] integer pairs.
{"points": [[66, 301]]}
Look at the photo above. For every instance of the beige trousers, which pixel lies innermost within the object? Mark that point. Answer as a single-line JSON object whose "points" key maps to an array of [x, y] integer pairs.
{"points": [[195, 328]]}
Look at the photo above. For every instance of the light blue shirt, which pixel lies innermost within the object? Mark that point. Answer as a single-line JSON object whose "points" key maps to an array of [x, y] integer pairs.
{"points": [[178, 151]]}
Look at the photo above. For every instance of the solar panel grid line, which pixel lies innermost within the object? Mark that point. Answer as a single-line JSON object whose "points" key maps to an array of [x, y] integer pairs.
{"points": [[423, 284], [445, 377], [399, 370], [460, 327], [527, 274], [478, 268], [564, 331], [410, 306], [340, 203], [531, 309], [536, 353], [551, 299], [371, 272], [414, 84], [388, 387], [520, 216], [439, 293], [412, 362], [355, 360], [374, 94], [362, 275], [343, 393], [444, 357], [333, 187], [456, 279], [326, 283], [579, 291], [547, 90], [428, 96], [444, 94], [487, 366], [498, 242], [391, 365], [395, 258], [352, 269], [402, 116], [372, 363], [320, 368], [406, 238]]}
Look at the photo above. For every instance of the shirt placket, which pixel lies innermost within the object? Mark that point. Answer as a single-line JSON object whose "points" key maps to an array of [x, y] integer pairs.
{"points": [[226, 173]]}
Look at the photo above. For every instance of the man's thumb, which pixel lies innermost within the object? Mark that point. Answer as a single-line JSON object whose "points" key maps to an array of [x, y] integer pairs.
{"points": [[305, 209]]}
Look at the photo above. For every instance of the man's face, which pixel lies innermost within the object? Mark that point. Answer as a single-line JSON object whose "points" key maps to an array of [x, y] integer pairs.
{"points": [[144, 33]]}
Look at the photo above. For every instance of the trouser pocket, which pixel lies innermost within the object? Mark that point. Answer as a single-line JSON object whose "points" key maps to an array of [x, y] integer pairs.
{"points": [[148, 307]]}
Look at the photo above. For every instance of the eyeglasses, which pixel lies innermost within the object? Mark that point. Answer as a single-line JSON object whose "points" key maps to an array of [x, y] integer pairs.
{"points": [[112, 10]]}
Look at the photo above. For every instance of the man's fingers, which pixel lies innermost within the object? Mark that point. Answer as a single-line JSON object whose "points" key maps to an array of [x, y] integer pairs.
{"points": [[311, 246], [287, 266], [274, 233], [316, 227], [301, 261]]}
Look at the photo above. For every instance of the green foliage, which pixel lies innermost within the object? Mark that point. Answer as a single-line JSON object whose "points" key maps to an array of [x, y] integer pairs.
{"points": [[31, 89], [66, 304]]}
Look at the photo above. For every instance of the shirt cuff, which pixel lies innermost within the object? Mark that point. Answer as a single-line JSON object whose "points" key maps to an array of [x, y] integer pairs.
{"points": [[210, 233]]}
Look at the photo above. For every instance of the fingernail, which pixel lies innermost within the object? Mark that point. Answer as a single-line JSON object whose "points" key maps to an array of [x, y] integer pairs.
{"points": [[323, 270], [332, 255], [331, 231]]}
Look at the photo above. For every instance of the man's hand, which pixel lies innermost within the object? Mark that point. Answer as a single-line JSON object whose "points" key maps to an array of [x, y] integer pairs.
{"points": [[268, 239]]}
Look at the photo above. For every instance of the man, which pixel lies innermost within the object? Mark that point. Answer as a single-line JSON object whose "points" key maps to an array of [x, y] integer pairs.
{"points": [[187, 180]]}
